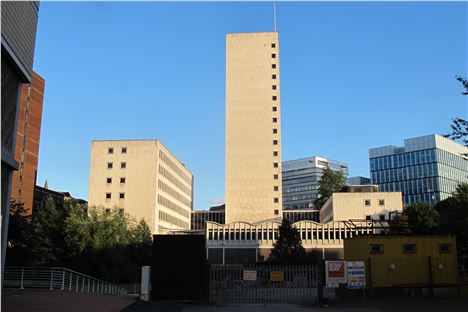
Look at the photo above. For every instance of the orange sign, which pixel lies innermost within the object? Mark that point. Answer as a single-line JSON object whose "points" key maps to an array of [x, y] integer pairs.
{"points": [[276, 276]]}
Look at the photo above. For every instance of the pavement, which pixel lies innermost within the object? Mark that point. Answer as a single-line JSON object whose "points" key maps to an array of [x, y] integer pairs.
{"points": [[58, 301], [407, 304], [52, 301]]}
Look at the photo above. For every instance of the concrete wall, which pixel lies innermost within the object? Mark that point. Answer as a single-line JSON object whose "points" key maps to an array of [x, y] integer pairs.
{"points": [[157, 188], [345, 206], [252, 170]]}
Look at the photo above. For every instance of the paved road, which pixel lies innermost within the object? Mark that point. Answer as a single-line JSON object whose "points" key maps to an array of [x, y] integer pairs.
{"points": [[55, 300], [351, 305], [51, 301]]}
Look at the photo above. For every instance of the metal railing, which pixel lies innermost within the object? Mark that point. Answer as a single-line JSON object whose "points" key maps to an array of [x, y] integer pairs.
{"points": [[57, 278]]}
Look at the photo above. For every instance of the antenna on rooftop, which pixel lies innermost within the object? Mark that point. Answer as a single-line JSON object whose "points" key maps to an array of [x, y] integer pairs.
{"points": [[274, 14]]}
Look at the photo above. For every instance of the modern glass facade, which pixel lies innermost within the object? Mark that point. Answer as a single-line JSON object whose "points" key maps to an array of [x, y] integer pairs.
{"points": [[358, 180], [427, 169], [301, 177]]}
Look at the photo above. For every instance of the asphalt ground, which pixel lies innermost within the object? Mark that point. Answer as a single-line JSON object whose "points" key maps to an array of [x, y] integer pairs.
{"points": [[60, 301], [48, 301]]}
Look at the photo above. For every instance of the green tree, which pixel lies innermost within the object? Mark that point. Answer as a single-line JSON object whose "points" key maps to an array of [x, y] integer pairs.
{"points": [[330, 182], [48, 244], [422, 218], [288, 247], [453, 219], [459, 125], [108, 244], [19, 236]]}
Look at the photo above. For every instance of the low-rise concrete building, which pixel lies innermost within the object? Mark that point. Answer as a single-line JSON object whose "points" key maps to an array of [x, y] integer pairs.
{"points": [[143, 178], [242, 242], [367, 205]]}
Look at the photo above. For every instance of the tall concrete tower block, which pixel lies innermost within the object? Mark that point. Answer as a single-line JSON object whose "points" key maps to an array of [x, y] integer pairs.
{"points": [[253, 127]]}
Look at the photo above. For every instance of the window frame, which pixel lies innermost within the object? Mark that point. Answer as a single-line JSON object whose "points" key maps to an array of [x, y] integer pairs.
{"points": [[405, 250], [374, 251], [441, 248]]}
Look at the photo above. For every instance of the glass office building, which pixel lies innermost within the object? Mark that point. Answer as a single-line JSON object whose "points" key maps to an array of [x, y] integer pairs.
{"points": [[358, 180], [301, 177], [426, 169]]}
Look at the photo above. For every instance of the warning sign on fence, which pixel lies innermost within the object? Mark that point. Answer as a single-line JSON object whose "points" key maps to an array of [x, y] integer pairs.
{"points": [[335, 273], [276, 276], [356, 274], [250, 275]]}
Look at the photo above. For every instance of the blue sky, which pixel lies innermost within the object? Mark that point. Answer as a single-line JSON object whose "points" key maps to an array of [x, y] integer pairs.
{"points": [[353, 76]]}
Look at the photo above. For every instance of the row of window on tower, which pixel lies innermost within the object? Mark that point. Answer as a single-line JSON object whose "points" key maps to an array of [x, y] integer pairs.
{"points": [[110, 165], [109, 195], [275, 130], [122, 180], [123, 150]]}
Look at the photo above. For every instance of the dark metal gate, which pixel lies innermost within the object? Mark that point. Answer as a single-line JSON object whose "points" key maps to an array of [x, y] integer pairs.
{"points": [[280, 284]]}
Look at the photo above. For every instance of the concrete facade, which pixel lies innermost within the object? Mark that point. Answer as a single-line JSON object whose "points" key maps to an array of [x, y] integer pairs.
{"points": [[253, 127], [27, 142], [361, 206], [18, 27], [145, 179], [242, 242]]}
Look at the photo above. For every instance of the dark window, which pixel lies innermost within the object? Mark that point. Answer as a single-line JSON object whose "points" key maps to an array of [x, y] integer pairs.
{"points": [[273, 87], [123, 165], [108, 195], [107, 210], [275, 188], [121, 211], [375, 248], [273, 76], [121, 195], [382, 217], [110, 150], [275, 165], [273, 45], [409, 248], [368, 218], [109, 165], [275, 119], [274, 97], [367, 202], [275, 153], [273, 65], [122, 180], [275, 108], [275, 142], [124, 150], [273, 55], [276, 200], [275, 130], [381, 202], [276, 212], [445, 248], [275, 176], [109, 180]]}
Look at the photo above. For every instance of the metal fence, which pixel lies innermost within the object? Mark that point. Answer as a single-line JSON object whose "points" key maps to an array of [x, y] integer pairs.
{"points": [[57, 278], [240, 284]]}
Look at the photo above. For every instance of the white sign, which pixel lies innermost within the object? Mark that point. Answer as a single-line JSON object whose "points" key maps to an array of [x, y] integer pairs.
{"points": [[356, 274], [250, 275], [335, 273]]}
